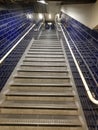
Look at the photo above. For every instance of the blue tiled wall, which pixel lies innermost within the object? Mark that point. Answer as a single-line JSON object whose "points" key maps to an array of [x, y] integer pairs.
{"points": [[12, 24], [80, 28], [85, 41]]}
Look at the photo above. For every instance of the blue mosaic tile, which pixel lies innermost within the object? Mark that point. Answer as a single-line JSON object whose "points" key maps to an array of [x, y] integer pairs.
{"points": [[85, 40]]}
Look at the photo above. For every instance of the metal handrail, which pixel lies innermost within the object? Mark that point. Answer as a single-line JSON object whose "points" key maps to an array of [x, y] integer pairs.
{"points": [[90, 95], [57, 26], [6, 55], [40, 26], [83, 60], [37, 29]]}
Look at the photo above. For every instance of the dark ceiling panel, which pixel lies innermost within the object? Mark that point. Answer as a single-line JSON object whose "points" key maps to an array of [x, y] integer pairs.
{"points": [[63, 1], [40, 8], [78, 1]]}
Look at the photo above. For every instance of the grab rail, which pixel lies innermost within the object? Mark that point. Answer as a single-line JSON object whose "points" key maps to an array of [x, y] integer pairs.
{"points": [[40, 26], [3, 58], [84, 60], [92, 99]]}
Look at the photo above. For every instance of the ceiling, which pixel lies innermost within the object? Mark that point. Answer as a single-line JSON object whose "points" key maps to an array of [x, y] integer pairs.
{"points": [[25, 2], [40, 8]]}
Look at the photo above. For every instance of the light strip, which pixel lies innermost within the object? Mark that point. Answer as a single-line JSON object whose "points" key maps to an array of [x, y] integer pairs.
{"points": [[15, 45], [42, 2], [92, 99]]}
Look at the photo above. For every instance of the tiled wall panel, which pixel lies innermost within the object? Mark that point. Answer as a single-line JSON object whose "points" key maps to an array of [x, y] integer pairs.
{"points": [[12, 24], [85, 49]]}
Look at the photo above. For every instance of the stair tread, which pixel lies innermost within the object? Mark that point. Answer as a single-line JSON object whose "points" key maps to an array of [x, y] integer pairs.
{"points": [[40, 93], [42, 80], [47, 85], [44, 59], [50, 120], [45, 45], [41, 47], [39, 104], [42, 77], [52, 71], [46, 53], [44, 56], [44, 65]]}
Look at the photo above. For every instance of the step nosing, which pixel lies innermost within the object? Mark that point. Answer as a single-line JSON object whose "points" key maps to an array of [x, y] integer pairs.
{"points": [[52, 71], [41, 56], [41, 77], [37, 108], [28, 65], [59, 48], [36, 53], [47, 85], [11, 123], [44, 61], [29, 95]]}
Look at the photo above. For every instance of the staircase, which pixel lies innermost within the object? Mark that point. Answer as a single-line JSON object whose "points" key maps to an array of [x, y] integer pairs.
{"points": [[40, 94]]}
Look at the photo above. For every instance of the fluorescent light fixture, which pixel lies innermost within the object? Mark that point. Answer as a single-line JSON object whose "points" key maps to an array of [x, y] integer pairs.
{"points": [[50, 23], [29, 16], [42, 2], [40, 16], [50, 16], [58, 15]]}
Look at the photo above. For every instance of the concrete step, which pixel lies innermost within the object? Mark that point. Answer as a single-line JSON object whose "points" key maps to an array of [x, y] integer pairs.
{"points": [[46, 43], [48, 38], [46, 47], [44, 80], [56, 70], [59, 105], [22, 72], [17, 127], [44, 56], [44, 111], [39, 120], [40, 98], [67, 90], [40, 93], [40, 88], [41, 59], [40, 85], [44, 63], [43, 67], [39, 107], [41, 77], [45, 50], [45, 53]]}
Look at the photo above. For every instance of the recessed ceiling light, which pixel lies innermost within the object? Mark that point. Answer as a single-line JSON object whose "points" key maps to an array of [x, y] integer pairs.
{"points": [[50, 16], [40, 16]]}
